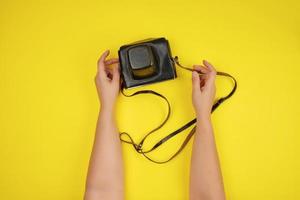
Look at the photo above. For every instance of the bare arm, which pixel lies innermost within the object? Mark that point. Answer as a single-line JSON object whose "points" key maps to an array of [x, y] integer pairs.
{"points": [[105, 174], [205, 174]]}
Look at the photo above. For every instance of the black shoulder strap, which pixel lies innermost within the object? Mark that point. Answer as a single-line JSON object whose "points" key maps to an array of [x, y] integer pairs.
{"points": [[139, 146]]}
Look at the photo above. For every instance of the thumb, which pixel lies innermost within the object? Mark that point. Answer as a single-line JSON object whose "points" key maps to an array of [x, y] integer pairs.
{"points": [[196, 82]]}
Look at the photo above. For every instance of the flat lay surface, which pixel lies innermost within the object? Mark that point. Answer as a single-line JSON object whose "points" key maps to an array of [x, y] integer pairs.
{"points": [[49, 104]]}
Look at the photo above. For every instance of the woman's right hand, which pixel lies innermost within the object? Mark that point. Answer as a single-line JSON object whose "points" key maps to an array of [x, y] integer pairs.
{"points": [[204, 89]]}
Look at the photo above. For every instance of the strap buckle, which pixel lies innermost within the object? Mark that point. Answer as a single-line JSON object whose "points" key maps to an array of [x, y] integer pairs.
{"points": [[138, 148]]}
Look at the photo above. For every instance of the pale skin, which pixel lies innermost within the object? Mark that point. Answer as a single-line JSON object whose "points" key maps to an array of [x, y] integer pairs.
{"points": [[105, 178]]}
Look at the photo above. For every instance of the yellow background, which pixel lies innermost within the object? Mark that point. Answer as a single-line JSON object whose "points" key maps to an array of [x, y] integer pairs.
{"points": [[49, 105]]}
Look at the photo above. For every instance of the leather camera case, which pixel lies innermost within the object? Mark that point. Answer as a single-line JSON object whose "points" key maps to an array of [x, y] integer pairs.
{"points": [[146, 61]]}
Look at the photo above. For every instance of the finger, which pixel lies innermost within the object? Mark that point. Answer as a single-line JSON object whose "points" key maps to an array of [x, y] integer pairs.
{"points": [[106, 73], [121, 82], [101, 64], [211, 77], [111, 61], [196, 82], [201, 68], [204, 72], [208, 65], [116, 74], [212, 74]]}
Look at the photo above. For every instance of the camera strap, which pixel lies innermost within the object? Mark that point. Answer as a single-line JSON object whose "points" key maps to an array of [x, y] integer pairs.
{"points": [[139, 146]]}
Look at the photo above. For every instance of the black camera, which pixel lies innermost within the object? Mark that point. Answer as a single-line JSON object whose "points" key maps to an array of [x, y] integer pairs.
{"points": [[147, 61]]}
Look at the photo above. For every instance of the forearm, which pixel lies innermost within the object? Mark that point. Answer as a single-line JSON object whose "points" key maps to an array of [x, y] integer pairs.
{"points": [[206, 179], [105, 175]]}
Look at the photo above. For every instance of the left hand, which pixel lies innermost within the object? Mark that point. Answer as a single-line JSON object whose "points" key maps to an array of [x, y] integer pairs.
{"points": [[108, 81]]}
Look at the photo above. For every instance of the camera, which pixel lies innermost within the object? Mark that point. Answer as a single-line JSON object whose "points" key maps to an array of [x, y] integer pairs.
{"points": [[146, 61]]}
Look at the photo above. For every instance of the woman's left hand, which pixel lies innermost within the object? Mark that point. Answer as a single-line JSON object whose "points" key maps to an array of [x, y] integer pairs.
{"points": [[108, 81]]}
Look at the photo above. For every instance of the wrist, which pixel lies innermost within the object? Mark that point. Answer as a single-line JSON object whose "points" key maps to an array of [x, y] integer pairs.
{"points": [[204, 124], [204, 118], [107, 110]]}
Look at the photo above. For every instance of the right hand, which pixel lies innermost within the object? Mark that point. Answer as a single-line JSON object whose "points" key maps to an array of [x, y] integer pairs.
{"points": [[204, 89]]}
